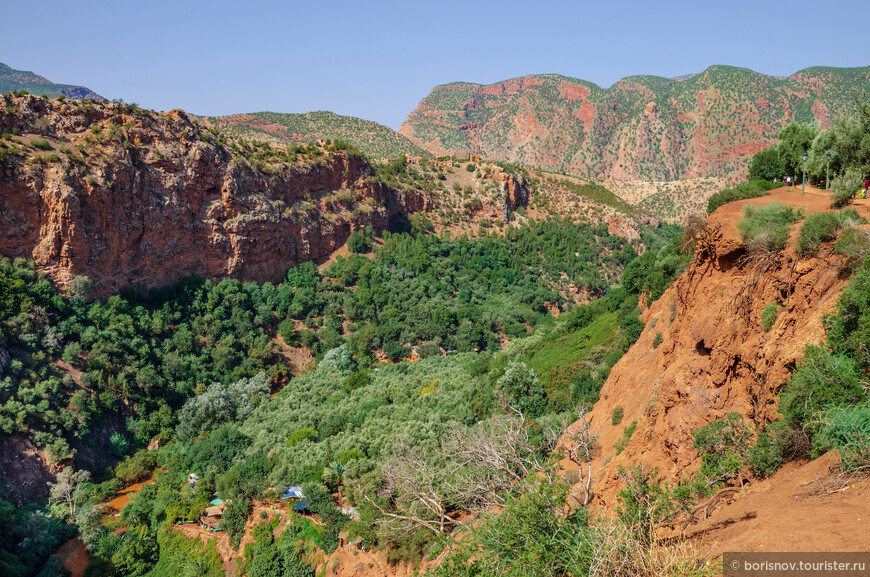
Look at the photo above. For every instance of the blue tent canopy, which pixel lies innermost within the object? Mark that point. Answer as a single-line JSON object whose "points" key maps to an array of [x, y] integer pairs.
{"points": [[292, 492], [300, 506]]}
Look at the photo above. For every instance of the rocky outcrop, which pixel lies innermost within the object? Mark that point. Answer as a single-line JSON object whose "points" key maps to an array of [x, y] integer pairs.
{"points": [[129, 197], [22, 461], [513, 192], [713, 357]]}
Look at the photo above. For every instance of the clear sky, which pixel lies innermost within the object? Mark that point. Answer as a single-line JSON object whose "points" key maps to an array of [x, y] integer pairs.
{"points": [[377, 60]]}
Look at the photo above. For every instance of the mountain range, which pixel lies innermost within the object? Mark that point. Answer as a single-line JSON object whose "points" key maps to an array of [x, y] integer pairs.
{"points": [[11, 79], [641, 128]]}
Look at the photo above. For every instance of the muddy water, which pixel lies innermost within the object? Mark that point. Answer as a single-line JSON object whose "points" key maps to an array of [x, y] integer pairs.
{"points": [[119, 502], [73, 553], [74, 556]]}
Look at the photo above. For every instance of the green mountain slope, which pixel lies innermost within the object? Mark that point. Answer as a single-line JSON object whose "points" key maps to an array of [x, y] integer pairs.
{"points": [[11, 79], [370, 137], [642, 127]]}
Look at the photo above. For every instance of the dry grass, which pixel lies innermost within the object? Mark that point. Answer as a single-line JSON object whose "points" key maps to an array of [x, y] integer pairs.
{"points": [[616, 551]]}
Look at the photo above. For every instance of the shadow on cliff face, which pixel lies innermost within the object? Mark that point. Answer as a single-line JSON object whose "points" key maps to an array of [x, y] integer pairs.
{"points": [[24, 470], [399, 223]]}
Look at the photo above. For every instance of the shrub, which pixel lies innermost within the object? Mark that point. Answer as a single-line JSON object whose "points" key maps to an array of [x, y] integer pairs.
{"points": [[522, 389], [766, 165], [358, 243], [657, 340], [357, 380], [80, 286], [722, 444], [847, 429], [821, 380], [644, 504], [841, 197], [426, 350], [287, 330], [854, 243], [753, 189], [136, 467], [768, 316], [338, 359], [849, 328], [616, 416], [821, 227], [41, 144], [395, 351], [766, 227], [470, 167], [765, 456], [626, 437], [845, 187], [299, 435]]}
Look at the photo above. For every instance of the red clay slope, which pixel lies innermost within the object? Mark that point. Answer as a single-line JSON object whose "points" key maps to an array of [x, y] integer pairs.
{"points": [[714, 358]]}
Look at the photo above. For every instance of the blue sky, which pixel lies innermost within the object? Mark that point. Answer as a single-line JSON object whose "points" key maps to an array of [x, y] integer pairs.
{"points": [[377, 60]]}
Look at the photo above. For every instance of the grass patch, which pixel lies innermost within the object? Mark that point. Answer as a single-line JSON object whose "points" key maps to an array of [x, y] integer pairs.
{"points": [[626, 436], [767, 226], [847, 429], [562, 362]]}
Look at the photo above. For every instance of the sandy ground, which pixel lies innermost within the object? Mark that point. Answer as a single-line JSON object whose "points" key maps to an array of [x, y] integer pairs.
{"points": [[804, 507]]}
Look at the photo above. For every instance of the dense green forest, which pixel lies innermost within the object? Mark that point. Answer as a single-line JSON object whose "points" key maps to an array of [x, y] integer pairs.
{"points": [[193, 366], [71, 363]]}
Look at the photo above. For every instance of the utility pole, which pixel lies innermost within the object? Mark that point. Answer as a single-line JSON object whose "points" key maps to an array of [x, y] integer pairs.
{"points": [[804, 183]]}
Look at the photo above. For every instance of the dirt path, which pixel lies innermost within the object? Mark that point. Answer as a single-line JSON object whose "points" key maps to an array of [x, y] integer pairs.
{"points": [[804, 507], [813, 200]]}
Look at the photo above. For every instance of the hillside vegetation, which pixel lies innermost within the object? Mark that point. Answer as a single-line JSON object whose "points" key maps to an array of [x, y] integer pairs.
{"points": [[205, 350], [373, 139], [414, 334]]}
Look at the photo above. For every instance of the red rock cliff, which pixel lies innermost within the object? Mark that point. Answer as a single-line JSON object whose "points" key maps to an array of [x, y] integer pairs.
{"points": [[129, 197]]}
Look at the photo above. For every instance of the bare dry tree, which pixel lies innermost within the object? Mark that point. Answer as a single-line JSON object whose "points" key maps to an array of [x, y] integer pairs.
{"points": [[411, 483], [583, 444], [472, 470]]}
